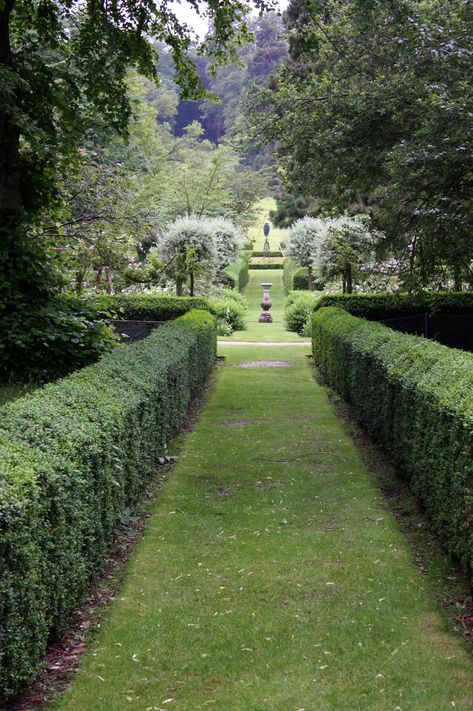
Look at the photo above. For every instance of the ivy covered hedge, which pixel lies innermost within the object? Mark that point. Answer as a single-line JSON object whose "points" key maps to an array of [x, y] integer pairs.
{"points": [[377, 307], [73, 456], [416, 398], [236, 275], [154, 307]]}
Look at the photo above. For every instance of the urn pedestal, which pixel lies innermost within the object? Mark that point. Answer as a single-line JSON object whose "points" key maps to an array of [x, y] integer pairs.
{"points": [[265, 316]]}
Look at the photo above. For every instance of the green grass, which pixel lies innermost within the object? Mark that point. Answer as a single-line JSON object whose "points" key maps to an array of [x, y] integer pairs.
{"points": [[12, 391], [264, 332], [272, 577], [256, 232]]}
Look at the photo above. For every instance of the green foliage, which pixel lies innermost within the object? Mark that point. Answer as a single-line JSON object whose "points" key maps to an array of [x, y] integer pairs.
{"points": [[415, 398], [229, 306], [73, 456], [298, 309], [236, 274], [154, 307], [289, 268], [374, 108], [382, 306], [63, 334], [300, 279], [266, 265]]}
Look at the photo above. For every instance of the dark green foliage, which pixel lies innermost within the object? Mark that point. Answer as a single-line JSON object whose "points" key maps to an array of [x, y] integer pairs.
{"points": [[59, 336], [266, 266], [266, 254], [236, 275], [382, 306], [73, 456], [154, 307], [415, 398], [300, 279]]}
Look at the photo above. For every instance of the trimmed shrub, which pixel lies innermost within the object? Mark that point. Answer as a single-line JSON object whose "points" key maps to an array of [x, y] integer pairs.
{"points": [[300, 279], [266, 266], [377, 307], [415, 397], [154, 307], [236, 275], [298, 309], [73, 456], [267, 254]]}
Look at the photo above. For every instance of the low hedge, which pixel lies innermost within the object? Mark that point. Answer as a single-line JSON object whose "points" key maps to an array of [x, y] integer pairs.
{"points": [[377, 307], [266, 266], [416, 398], [73, 456], [236, 275], [154, 307], [288, 271], [267, 254]]}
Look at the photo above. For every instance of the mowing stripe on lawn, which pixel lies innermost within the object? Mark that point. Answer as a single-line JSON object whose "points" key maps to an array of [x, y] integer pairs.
{"points": [[272, 577]]}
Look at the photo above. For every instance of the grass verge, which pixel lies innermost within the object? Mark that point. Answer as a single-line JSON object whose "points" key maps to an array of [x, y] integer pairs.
{"points": [[272, 576]]}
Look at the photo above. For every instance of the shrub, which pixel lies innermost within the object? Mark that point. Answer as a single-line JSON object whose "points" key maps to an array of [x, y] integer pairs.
{"points": [[155, 307], [377, 307], [271, 265], [236, 275], [229, 306], [298, 308], [65, 334], [300, 279], [73, 456], [415, 397], [289, 267]]}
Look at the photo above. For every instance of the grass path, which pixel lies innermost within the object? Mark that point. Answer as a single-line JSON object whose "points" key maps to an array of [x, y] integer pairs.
{"points": [[272, 577], [256, 232], [264, 331]]}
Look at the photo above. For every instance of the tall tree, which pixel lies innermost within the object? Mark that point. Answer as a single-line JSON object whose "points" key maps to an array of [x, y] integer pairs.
{"points": [[374, 106], [62, 65]]}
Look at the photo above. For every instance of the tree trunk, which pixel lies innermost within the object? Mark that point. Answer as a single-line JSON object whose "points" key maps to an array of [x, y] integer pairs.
{"points": [[310, 283], [457, 278], [192, 283], [79, 280], [349, 279], [109, 282], [178, 286], [11, 203], [98, 278]]}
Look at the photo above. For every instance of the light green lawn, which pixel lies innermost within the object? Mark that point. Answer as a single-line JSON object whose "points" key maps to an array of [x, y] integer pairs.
{"points": [[256, 232], [265, 331], [272, 576]]}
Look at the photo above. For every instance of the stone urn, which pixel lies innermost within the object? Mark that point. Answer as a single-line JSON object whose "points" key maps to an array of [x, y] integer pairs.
{"points": [[266, 304]]}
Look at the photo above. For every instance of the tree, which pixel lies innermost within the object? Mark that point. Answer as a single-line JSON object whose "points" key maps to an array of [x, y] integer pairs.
{"points": [[228, 240], [374, 107], [188, 250], [62, 66], [347, 244], [303, 240]]}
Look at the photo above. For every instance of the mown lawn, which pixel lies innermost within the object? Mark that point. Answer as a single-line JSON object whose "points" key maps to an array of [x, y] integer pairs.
{"points": [[265, 331], [256, 232], [272, 577]]}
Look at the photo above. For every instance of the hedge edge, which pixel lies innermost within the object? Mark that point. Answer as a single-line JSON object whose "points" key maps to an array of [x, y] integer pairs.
{"points": [[73, 456], [415, 397]]}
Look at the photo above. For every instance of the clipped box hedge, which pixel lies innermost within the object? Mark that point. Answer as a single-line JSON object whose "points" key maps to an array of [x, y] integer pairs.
{"points": [[236, 275], [377, 307], [73, 456], [154, 307], [416, 398]]}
